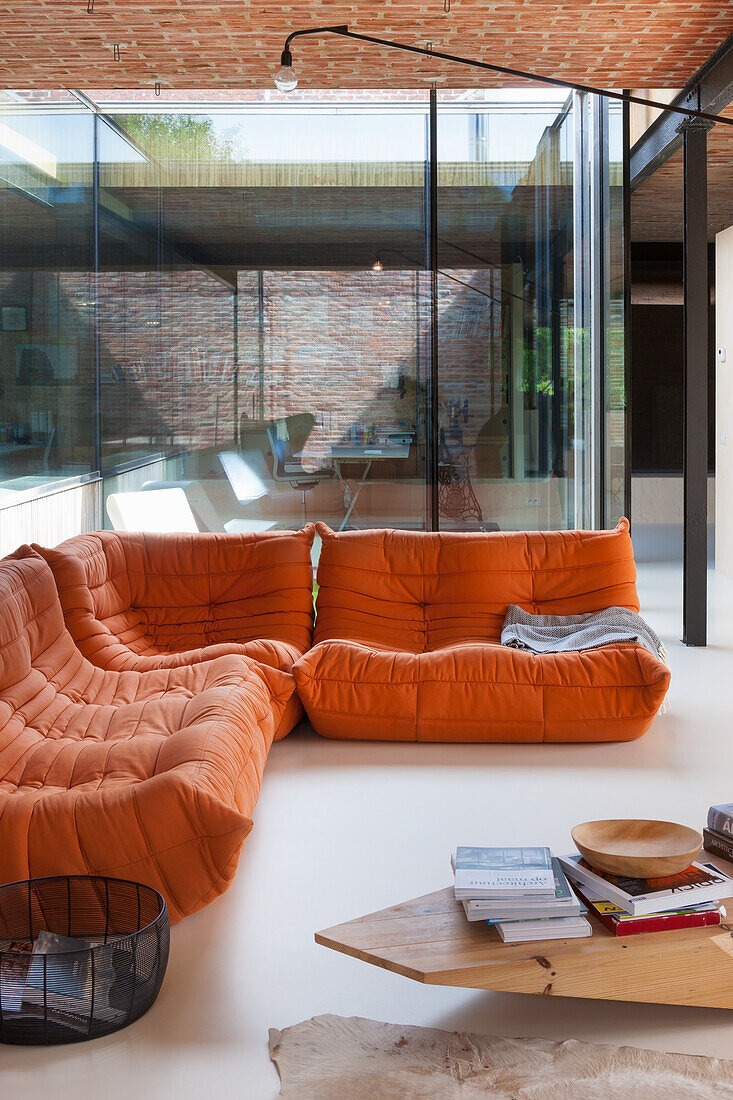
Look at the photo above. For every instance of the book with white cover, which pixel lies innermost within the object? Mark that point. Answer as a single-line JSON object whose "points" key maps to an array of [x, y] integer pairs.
{"points": [[700, 882], [503, 872], [563, 904], [551, 928]]}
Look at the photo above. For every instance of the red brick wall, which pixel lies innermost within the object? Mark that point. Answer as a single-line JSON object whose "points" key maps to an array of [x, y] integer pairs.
{"points": [[335, 344]]}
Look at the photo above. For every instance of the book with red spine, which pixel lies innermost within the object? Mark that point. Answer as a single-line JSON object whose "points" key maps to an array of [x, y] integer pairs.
{"points": [[620, 923]]}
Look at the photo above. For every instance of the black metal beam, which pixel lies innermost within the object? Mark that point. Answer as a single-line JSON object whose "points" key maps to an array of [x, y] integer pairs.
{"points": [[696, 337], [709, 90]]}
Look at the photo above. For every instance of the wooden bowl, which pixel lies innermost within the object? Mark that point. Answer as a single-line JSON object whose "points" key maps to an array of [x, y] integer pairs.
{"points": [[637, 848]]}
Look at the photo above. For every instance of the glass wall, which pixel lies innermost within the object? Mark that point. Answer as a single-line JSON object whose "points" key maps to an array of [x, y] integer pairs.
{"points": [[613, 268], [261, 327], [46, 292], [167, 323], [506, 318], [268, 305]]}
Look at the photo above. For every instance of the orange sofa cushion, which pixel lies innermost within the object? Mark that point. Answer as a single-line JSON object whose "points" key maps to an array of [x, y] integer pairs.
{"points": [[408, 635], [146, 601], [150, 776]]}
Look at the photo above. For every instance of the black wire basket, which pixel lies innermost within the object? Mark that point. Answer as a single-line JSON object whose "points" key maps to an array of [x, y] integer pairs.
{"points": [[80, 956]]}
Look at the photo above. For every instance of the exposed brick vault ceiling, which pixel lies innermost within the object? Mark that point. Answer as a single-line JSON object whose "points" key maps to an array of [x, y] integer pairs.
{"points": [[235, 44]]}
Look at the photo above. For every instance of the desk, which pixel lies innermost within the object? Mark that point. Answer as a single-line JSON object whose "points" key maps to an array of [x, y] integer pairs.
{"points": [[361, 452], [366, 453]]}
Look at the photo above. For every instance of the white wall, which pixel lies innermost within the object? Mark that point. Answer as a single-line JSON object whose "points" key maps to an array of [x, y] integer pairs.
{"points": [[51, 517], [54, 515], [724, 402]]}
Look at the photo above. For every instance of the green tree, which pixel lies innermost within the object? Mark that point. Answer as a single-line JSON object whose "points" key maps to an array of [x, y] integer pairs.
{"points": [[177, 136]]}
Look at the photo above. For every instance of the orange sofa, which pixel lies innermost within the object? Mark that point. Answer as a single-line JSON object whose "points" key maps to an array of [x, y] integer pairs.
{"points": [[143, 678], [407, 639], [147, 775], [149, 601]]}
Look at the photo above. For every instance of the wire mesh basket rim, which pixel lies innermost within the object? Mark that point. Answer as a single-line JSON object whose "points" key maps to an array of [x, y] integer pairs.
{"points": [[161, 915]]}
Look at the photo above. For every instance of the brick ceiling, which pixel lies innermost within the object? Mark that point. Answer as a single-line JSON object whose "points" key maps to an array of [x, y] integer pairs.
{"points": [[236, 44]]}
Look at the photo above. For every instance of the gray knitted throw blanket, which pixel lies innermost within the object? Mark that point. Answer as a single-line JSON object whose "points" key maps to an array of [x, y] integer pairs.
{"points": [[567, 633]]}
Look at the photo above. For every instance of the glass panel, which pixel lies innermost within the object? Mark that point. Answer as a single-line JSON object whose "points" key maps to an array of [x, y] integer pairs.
{"points": [[506, 335], [615, 359], [262, 314], [46, 294], [264, 335], [134, 424]]}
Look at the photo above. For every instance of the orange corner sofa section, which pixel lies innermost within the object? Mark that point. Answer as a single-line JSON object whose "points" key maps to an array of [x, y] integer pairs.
{"points": [[146, 601], [144, 677], [150, 776], [407, 639]]}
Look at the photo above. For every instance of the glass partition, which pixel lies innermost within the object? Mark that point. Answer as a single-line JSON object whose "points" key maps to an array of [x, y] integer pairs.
{"points": [[266, 324], [46, 294], [615, 330], [232, 299], [506, 316]]}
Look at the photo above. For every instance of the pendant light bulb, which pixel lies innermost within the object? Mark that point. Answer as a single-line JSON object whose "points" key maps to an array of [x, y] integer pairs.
{"points": [[285, 78], [377, 266]]}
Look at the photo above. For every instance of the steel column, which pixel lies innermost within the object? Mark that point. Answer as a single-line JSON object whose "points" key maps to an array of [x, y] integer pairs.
{"points": [[696, 336]]}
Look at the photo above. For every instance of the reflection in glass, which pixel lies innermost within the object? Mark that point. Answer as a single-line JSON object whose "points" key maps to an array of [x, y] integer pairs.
{"points": [[506, 313], [615, 325], [244, 319], [245, 336], [46, 295]]}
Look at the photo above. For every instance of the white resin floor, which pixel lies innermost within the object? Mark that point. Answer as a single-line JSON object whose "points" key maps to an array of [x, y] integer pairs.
{"points": [[343, 829]]}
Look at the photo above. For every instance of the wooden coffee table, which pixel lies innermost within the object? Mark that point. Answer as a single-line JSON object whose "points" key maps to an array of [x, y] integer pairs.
{"points": [[429, 940]]}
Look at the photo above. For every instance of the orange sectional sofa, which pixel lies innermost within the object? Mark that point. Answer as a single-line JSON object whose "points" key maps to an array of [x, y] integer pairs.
{"points": [[407, 639], [147, 601], [146, 775], [143, 678]]}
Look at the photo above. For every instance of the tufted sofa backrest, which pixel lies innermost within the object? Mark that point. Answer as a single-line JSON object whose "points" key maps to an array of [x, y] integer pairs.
{"points": [[184, 590], [421, 590], [35, 646]]}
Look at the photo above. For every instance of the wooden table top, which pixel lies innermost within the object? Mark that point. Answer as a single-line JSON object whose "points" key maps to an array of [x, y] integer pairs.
{"points": [[430, 940]]}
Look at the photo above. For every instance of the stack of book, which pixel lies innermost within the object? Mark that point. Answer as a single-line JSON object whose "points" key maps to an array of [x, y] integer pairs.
{"points": [[627, 906], [522, 892], [718, 836]]}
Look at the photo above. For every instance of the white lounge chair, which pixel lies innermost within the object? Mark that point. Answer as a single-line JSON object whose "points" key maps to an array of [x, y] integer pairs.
{"points": [[163, 510]]}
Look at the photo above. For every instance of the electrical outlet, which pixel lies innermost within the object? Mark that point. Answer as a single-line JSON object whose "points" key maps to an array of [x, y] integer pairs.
{"points": [[721, 355], [534, 502]]}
